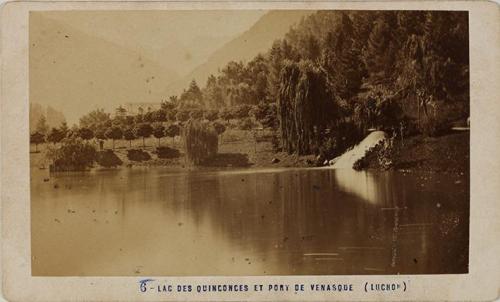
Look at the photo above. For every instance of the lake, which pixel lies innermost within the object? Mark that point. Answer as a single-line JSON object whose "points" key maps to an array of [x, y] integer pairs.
{"points": [[156, 221]]}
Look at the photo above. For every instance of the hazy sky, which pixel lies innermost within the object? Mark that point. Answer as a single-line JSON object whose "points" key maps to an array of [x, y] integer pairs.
{"points": [[191, 35], [80, 60]]}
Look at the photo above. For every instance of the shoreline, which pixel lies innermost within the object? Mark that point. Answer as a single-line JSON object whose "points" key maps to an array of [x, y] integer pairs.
{"points": [[445, 154]]}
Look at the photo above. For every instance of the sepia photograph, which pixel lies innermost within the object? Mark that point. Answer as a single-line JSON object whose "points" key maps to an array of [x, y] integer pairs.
{"points": [[249, 142]]}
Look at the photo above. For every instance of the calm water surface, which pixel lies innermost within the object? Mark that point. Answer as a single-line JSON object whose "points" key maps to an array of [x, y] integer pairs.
{"points": [[158, 221]]}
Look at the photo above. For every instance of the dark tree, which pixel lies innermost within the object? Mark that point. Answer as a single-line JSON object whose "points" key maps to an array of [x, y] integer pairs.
{"points": [[201, 141], [129, 135], [158, 132], [114, 133], [160, 115], [95, 119], [55, 135], [85, 133], [192, 97], [304, 107], [143, 130], [172, 131], [37, 138]]}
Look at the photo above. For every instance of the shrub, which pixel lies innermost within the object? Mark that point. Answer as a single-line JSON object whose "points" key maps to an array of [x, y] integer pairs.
{"points": [[360, 164], [73, 154], [138, 155], [201, 141], [328, 147], [381, 156], [86, 133], [385, 155], [108, 158], [166, 152]]}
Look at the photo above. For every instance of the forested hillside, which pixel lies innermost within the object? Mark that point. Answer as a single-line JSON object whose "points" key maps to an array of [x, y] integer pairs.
{"points": [[319, 90], [339, 73]]}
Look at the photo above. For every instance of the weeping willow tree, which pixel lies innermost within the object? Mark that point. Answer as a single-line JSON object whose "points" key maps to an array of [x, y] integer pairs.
{"points": [[305, 108], [201, 141]]}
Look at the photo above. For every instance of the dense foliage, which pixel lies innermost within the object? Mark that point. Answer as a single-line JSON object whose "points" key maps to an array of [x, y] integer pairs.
{"points": [[108, 158], [201, 141], [73, 154], [381, 69]]}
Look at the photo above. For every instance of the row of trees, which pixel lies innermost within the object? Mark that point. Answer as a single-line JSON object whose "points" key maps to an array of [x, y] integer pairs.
{"points": [[75, 152], [99, 125], [113, 132]]}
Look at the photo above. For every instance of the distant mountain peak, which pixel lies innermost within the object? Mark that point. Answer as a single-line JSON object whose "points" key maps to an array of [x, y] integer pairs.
{"points": [[257, 39]]}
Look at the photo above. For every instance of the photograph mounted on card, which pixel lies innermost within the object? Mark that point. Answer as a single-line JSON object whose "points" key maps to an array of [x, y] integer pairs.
{"points": [[249, 151]]}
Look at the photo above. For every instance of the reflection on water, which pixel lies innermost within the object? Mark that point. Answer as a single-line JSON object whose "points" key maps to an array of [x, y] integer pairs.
{"points": [[156, 221]]}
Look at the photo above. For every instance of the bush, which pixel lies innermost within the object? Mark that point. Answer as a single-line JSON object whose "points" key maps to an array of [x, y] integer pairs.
{"points": [[108, 158], [166, 152], [385, 155], [201, 141], [138, 155], [360, 164], [73, 154], [328, 147]]}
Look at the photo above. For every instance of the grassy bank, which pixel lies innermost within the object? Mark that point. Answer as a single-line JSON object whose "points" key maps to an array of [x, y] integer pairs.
{"points": [[449, 153], [237, 148], [247, 149]]}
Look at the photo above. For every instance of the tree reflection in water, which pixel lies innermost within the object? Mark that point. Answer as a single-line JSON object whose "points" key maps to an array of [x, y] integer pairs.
{"points": [[251, 222]]}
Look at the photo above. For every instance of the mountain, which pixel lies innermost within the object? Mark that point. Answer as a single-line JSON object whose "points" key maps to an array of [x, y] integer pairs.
{"points": [[179, 40], [76, 72], [259, 38]]}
